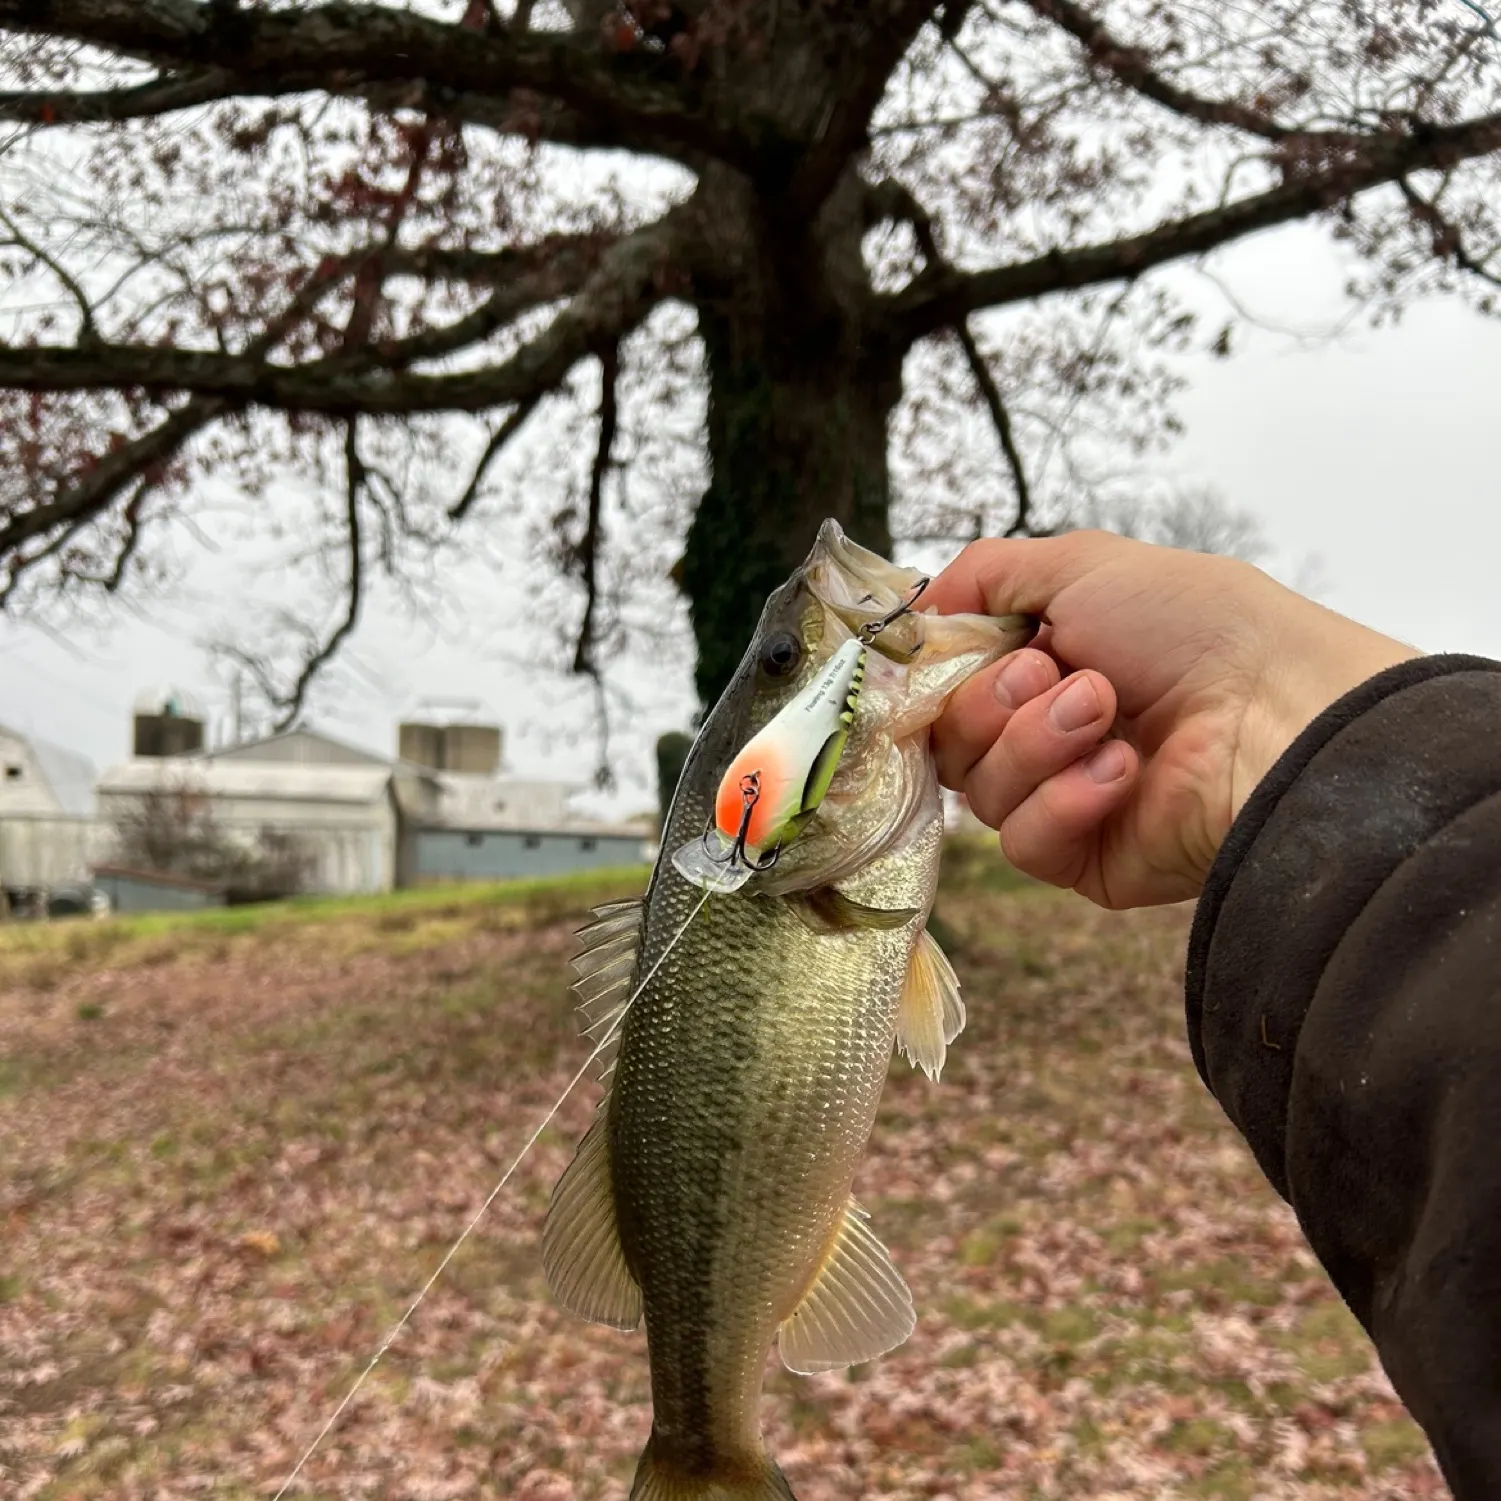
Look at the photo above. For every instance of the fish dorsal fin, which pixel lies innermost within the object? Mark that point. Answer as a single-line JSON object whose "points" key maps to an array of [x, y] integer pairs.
{"points": [[581, 1252], [606, 966], [857, 1308], [930, 1014]]}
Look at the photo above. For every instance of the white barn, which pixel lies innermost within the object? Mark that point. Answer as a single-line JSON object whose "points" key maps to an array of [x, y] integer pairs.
{"points": [[48, 835], [355, 811]]}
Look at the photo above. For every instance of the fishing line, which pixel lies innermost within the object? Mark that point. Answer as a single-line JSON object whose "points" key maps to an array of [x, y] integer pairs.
{"points": [[1490, 25], [479, 1213]]}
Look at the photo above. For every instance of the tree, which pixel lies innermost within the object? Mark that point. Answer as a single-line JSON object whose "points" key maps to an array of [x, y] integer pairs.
{"points": [[672, 756], [762, 260], [174, 829], [1197, 520]]}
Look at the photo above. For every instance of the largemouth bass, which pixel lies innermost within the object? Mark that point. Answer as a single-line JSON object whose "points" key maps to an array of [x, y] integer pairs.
{"points": [[712, 1192]]}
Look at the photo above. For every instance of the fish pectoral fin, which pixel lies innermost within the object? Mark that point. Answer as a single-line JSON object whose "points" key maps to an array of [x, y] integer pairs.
{"points": [[827, 910], [930, 1014], [581, 1252], [857, 1308]]}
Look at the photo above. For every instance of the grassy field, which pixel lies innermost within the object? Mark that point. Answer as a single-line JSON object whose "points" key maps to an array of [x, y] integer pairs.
{"points": [[233, 1145]]}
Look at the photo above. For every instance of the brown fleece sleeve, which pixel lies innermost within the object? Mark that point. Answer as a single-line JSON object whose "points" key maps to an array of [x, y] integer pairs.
{"points": [[1344, 1006]]}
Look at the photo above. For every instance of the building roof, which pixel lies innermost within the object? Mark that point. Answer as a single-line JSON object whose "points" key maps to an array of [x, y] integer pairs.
{"points": [[284, 781], [246, 748], [68, 775]]}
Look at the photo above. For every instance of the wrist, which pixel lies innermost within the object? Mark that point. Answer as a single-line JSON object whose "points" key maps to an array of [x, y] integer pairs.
{"points": [[1299, 683]]}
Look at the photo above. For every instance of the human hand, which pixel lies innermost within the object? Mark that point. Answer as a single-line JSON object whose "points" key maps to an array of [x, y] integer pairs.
{"points": [[1204, 668]]}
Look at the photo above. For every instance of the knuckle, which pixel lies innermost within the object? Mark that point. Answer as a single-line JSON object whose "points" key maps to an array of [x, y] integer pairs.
{"points": [[983, 793], [951, 768], [1039, 850], [1028, 853]]}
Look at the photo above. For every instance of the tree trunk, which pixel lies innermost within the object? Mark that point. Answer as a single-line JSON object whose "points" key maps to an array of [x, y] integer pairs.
{"points": [[800, 393]]}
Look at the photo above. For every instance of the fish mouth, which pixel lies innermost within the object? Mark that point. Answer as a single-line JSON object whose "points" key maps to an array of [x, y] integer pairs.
{"points": [[856, 584], [860, 587]]}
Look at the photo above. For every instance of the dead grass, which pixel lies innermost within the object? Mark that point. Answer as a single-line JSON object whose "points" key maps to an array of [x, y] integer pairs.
{"points": [[233, 1146]]}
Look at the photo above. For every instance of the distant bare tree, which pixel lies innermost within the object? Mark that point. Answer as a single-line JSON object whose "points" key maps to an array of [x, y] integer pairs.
{"points": [[168, 829], [174, 830], [1200, 520]]}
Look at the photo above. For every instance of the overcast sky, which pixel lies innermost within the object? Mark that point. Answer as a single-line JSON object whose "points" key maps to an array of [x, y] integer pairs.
{"points": [[1372, 455]]}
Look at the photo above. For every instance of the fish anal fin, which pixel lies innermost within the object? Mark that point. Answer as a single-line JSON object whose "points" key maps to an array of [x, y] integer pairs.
{"points": [[857, 1308], [581, 1252], [930, 1014]]}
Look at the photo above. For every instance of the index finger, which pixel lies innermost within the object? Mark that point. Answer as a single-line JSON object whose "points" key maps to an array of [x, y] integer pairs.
{"points": [[1000, 576]]}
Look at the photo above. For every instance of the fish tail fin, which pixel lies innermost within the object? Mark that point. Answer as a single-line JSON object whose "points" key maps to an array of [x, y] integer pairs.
{"points": [[658, 1479]]}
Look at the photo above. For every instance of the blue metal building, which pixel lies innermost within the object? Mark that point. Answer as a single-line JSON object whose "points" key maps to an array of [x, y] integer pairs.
{"points": [[497, 854]]}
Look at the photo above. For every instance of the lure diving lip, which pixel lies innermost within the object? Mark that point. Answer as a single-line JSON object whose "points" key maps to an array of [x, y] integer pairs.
{"points": [[776, 782]]}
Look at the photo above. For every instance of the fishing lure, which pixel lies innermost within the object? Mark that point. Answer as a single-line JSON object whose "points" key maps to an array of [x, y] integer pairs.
{"points": [[775, 783]]}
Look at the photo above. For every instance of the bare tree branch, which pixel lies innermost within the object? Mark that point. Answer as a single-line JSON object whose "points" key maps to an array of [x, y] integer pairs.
{"points": [[551, 267], [112, 473], [119, 467], [516, 112], [1448, 241], [131, 514], [498, 440], [586, 554], [1129, 66], [519, 112], [354, 479], [87, 333], [159, 96], [845, 125], [891, 199], [1021, 524], [283, 51], [631, 278], [1487, 25], [1316, 178]]}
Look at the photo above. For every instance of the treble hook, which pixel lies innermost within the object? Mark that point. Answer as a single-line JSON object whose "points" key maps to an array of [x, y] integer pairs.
{"points": [[750, 792], [873, 628]]}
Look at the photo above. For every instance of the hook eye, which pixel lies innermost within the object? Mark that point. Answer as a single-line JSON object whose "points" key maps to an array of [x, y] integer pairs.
{"points": [[873, 628]]}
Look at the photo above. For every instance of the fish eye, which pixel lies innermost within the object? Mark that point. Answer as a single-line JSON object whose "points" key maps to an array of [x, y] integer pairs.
{"points": [[781, 654]]}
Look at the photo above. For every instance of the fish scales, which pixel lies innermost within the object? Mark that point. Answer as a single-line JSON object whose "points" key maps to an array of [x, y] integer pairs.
{"points": [[712, 1193], [741, 1104]]}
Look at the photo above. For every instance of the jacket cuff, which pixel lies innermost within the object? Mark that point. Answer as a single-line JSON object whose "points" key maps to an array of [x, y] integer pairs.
{"points": [[1367, 783]]}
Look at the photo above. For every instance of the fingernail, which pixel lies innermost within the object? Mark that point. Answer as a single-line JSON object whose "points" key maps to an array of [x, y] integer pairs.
{"points": [[1022, 678], [1077, 706], [1107, 764]]}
